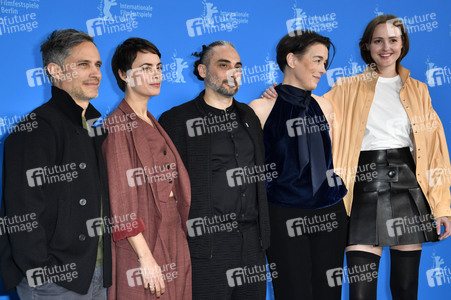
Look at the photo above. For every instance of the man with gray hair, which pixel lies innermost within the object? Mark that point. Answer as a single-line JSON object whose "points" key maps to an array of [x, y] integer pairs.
{"points": [[55, 242], [220, 140]]}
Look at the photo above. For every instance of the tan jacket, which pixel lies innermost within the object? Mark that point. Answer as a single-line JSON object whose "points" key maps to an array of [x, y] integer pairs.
{"points": [[352, 97]]}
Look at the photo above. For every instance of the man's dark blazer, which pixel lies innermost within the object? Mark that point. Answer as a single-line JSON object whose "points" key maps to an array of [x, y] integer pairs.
{"points": [[65, 210], [196, 155]]}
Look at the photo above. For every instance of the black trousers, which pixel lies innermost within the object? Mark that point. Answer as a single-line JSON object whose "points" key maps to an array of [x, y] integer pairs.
{"points": [[237, 269], [307, 247]]}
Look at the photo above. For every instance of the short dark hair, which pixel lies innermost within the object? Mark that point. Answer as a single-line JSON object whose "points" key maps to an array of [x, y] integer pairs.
{"points": [[125, 55], [59, 44], [205, 55], [368, 35], [297, 42]]}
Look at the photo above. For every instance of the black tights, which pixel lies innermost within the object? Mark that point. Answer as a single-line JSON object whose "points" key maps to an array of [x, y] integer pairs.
{"points": [[403, 274]]}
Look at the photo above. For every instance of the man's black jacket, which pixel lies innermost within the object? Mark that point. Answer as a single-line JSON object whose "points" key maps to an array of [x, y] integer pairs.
{"points": [[56, 173], [196, 155]]}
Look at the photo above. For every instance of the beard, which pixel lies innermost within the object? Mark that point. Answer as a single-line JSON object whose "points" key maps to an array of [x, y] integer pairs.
{"points": [[79, 93], [223, 88]]}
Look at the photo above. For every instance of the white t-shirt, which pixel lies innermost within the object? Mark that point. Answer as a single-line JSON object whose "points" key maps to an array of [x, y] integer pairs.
{"points": [[388, 125]]}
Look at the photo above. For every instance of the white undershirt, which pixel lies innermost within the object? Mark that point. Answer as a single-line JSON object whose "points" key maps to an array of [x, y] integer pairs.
{"points": [[388, 125]]}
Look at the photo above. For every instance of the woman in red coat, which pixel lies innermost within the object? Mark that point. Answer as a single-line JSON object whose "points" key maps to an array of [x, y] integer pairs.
{"points": [[149, 186]]}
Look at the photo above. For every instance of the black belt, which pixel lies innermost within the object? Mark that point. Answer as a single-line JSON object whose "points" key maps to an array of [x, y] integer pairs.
{"points": [[385, 155]]}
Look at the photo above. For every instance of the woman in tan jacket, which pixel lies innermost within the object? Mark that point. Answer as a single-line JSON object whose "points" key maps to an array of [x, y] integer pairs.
{"points": [[389, 147], [149, 186]]}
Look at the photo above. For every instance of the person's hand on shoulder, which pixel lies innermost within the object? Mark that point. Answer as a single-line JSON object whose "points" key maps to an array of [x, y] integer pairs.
{"points": [[270, 92]]}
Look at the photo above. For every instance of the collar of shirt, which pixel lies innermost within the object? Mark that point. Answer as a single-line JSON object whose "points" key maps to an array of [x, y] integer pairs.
{"points": [[216, 111], [64, 102]]}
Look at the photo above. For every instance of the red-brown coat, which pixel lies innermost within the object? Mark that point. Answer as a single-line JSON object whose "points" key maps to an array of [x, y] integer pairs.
{"points": [[127, 148]]}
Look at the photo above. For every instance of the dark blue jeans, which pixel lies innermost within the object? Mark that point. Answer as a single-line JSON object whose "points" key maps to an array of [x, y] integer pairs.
{"points": [[52, 291]]}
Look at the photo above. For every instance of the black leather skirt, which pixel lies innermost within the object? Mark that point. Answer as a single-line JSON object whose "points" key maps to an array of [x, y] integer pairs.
{"points": [[389, 207]]}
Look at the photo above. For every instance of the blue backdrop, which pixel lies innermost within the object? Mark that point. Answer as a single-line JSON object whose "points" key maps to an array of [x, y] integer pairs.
{"points": [[179, 28]]}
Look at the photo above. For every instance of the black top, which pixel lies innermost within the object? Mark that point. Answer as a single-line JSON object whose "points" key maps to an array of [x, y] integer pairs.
{"points": [[195, 151], [297, 141], [231, 148], [57, 173]]}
